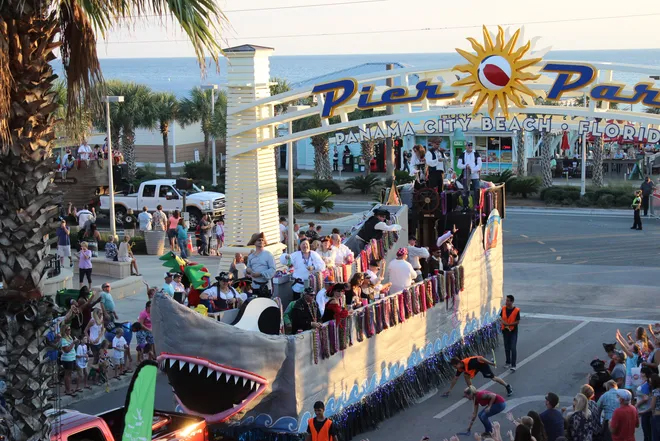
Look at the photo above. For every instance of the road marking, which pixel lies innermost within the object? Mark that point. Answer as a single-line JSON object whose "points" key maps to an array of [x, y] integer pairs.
{"points": [[558, 258], [427, 396], [581, 261], [547, 347], [542, 243], [553, 250], [515, 402], [526, 237], [578, 318]]}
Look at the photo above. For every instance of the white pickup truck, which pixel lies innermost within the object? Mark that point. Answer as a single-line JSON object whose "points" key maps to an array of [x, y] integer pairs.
{"points": [[163, 192]]}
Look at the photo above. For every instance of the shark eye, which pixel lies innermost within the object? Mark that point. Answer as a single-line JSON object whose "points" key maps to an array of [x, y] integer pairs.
{"points": [[260, 314]]}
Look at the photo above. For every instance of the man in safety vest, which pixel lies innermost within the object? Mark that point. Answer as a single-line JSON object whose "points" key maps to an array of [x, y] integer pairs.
{"points": [[468, 368], [320, 428], [510, 318]]}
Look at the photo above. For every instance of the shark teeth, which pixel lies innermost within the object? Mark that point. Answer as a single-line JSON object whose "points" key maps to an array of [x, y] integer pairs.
{"points": [[230, 379]]}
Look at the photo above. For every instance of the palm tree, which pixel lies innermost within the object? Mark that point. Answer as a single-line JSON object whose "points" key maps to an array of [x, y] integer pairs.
{"points": [[166, 108], [77, 127], [597, 174], [368, 149], [546, 157], [30, 32], [520, 153], [197, 109], [133, 113], [277, 86], [322, 167], [652, 110]]}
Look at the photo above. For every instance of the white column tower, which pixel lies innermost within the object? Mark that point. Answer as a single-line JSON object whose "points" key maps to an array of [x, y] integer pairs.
{"points": [[251, 183]]}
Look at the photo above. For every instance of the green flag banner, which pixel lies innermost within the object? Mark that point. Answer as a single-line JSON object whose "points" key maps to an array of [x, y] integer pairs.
{"points": [[140, 399]]}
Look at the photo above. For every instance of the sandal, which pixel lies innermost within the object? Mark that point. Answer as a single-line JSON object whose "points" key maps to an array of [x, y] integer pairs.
{"points": [[71, 394]]}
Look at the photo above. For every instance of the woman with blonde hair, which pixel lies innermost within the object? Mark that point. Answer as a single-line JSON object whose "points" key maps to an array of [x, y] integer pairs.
{"points": [[579, 425], [492, 402]]}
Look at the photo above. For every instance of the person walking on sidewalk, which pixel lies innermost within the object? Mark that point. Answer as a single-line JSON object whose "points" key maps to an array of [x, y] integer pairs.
{"points": [[637, 206], [493, 404], [468, 368], [510, 319]]}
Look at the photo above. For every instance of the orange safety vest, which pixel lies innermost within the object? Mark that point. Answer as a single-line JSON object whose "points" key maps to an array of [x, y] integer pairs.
{"points": [[321, 435], [508, 320], [470, 372]]}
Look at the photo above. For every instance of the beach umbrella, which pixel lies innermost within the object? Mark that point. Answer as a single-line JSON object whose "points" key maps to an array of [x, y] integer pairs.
{"points": [[564, 141]]}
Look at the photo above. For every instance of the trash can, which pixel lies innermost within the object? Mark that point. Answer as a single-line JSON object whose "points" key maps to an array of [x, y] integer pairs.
{"points": [[64, 297], [128, 334], [155, 242]]}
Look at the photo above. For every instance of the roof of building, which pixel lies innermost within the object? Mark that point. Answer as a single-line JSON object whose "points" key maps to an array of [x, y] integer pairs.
{"points": [[247, 48], [354, 71]]}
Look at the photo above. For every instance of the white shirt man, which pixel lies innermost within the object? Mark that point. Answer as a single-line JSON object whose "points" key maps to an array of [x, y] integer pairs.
{"points": [[470, 159], [400, 272], [145, 220], [414, 253], [436, 162], [342, 252], [84, 152], [84, 215]]}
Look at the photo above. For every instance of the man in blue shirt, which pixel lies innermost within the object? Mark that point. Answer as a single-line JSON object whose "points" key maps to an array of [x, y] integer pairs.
{"points": [[108, 303], [167, 287], [607, 404], [552, 418]]}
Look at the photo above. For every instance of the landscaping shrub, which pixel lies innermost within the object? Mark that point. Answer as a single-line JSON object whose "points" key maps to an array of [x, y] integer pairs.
{"points": [[524, 185], [606, 201], [365, 184], [300, 186], [325, 184], [283, 208], [318, 200], [198, 171], [401, 177], [499, 178], [564, 190]]}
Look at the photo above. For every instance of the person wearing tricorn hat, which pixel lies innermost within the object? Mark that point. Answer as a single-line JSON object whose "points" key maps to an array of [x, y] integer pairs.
{"points": [[435, 261], [228, 297], [260, 266], [368, 231], [598, 379]]}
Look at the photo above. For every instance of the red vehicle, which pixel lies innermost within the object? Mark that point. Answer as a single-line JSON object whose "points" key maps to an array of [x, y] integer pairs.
{"points": [[71, 425]]}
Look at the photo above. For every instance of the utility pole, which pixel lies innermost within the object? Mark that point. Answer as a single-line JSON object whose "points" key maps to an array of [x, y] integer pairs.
{"points": [[389, 142]]}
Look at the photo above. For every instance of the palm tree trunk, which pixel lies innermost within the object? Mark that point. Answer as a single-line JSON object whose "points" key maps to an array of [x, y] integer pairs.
{"points": [[368, 147], [520, 153], [207, 143], [322, 169], [546, 168], [128, 148], [597, 173], [28, 205], [164, 130]]}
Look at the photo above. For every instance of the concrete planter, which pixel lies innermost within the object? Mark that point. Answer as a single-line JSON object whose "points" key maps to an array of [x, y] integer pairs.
{"points": [[155, 242]]}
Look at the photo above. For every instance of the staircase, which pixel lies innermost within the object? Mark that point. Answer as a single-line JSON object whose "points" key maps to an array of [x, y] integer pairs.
{"points": [[83, 186]]}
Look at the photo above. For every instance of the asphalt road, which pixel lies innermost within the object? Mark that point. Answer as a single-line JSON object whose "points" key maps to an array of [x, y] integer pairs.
{"points": [[576, 279]]}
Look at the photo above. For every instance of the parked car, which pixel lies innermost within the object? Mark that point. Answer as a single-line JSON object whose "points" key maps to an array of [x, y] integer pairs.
{"points": [[164, 192], [71, 425]]}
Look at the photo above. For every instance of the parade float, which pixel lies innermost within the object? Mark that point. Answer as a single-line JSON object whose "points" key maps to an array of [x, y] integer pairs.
{"points": [[388, 354]]}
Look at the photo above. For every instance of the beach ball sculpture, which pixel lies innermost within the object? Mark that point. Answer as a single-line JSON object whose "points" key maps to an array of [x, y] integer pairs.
{"points": [[496, 73]]}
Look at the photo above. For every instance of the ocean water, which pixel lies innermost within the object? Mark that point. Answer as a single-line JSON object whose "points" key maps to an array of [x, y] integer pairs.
{"points": [[179, 75]]}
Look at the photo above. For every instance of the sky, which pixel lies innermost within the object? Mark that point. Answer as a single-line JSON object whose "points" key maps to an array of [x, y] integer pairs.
{"points": [[562, 24]]}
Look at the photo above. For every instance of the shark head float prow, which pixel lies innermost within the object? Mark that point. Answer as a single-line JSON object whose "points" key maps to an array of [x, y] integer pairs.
{"points": [[211, 365]]}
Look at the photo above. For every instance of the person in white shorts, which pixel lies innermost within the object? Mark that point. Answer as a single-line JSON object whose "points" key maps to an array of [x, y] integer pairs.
{"points": [[118, 347], [82, 358], [63, 243]]}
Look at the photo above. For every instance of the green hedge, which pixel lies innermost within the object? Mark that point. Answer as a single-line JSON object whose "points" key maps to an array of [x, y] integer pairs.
{"points": [[301, 186], [606, 197]]}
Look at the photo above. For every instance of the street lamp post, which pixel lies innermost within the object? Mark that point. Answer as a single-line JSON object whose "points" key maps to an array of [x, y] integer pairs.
{"points": [[213, 88], [289, 165], [111, 184], [583, 165]]}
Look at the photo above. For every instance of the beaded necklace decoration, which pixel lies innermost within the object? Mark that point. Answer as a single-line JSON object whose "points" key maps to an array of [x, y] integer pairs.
{"points": [[422, 297], [387, 311], [341, 332], [349, 330], [402, 308], [443, 202], [407, 303], [394, 319], [431, 292], [369, 321], [461, 277], [359, 326], [316, 345], [414, 299], [325, 344], [332, 337], [379, 317]]}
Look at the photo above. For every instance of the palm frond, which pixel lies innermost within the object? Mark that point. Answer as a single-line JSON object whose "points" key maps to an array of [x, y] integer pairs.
{"points": [[78, 52], [6, 81]]}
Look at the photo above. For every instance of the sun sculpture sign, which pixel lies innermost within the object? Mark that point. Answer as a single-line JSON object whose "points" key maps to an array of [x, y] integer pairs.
{"points": [[496, 72]]}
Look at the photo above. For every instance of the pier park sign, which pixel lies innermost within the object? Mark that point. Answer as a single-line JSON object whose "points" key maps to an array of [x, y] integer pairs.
{"points": [[496, 75]]}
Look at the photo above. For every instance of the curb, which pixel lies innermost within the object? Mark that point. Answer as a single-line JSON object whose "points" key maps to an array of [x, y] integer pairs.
{"points": [[569, 211], [97, 391]]}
